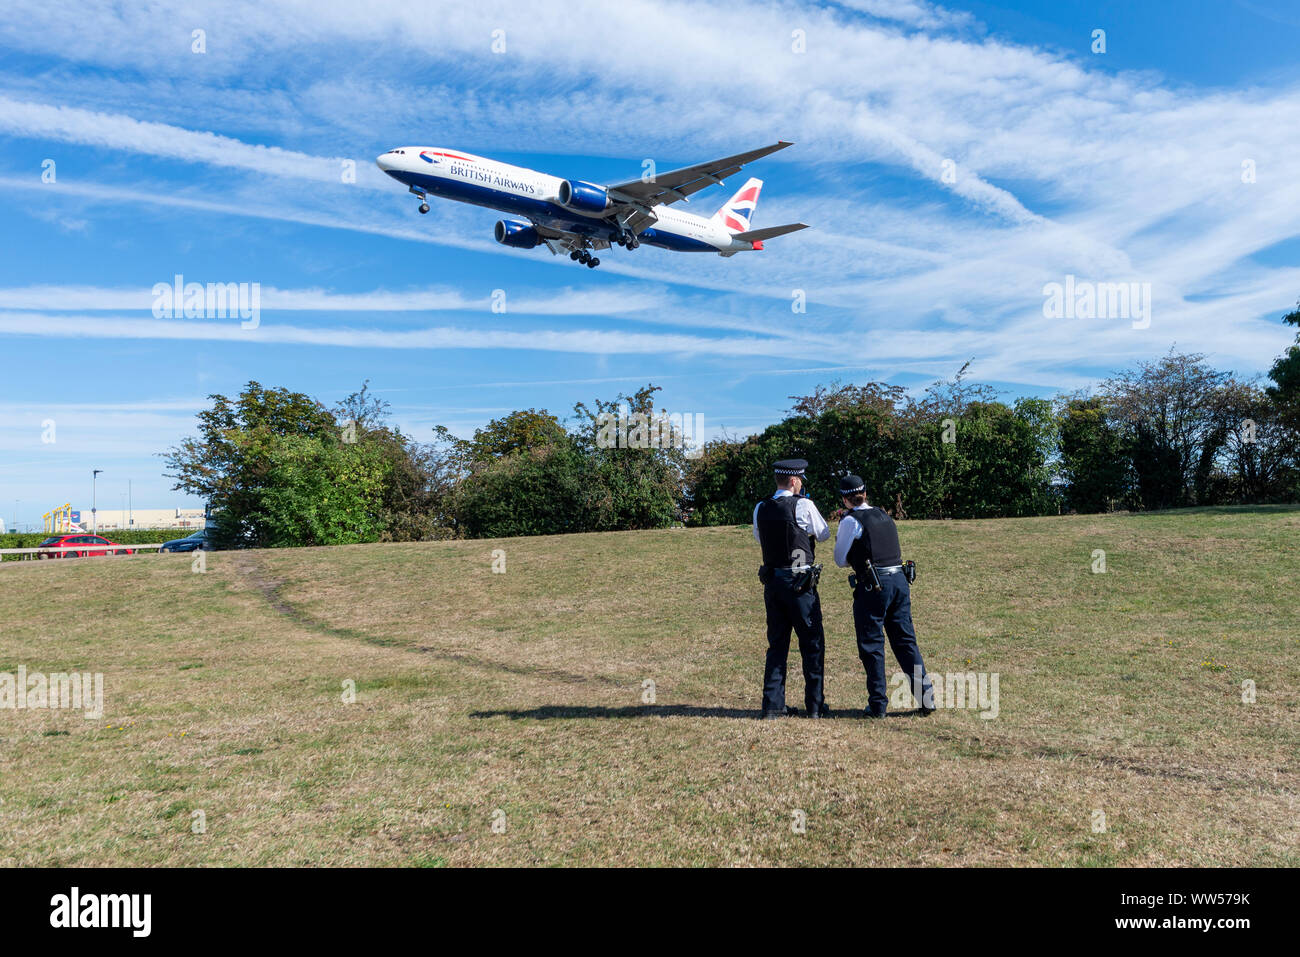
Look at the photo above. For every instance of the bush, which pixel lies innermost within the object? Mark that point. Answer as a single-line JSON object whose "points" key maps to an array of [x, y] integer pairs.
{"points": [[535, 491]]}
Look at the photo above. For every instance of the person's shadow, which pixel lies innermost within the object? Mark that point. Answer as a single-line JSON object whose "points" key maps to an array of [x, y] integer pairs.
{"points": [[553, 711]]}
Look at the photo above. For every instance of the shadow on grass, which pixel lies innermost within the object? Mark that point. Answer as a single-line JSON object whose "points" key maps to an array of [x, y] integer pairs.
{"points": [[551, 711], [1276, 509], [273, 591]]}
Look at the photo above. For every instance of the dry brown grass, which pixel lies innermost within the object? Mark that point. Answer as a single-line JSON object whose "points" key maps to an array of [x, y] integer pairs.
{"points": [[522, 692]]}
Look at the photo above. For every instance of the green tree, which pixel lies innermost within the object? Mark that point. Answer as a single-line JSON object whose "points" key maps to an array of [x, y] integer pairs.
{"points": [[849, 429], [998, 465], [1176, 424], [278, 468], [518, 431], [1094, 464], [316, 491], [1259, 462], [636, 485], [419, 479], [228, 463], [527, 474], [539, 490], [1040, 418], [1285, 391], [731, 475], [933, 455]]}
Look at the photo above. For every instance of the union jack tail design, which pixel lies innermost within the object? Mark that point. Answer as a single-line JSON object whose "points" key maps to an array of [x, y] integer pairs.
{"points": [[735, 214]]}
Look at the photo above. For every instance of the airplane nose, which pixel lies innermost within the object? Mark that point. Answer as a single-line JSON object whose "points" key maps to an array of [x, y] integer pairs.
{"points": [[385, 161]]}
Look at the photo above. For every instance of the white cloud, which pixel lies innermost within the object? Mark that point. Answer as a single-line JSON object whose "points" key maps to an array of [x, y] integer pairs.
{"points": [[560, 302], [587, 341], [1060, 167], [115, 131]]}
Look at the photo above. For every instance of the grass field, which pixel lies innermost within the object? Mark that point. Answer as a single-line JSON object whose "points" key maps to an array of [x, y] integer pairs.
{"points": [[521, 693]]}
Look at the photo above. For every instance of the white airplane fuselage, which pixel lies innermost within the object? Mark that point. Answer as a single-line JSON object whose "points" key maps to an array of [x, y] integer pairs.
{"points": [[466, 178]]}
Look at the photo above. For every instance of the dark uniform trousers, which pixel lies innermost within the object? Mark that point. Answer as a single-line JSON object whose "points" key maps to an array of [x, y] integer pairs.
{"points": [[803, 613], [888, 612]]}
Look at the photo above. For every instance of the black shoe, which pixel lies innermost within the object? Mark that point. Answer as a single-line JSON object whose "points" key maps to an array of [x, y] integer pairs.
{"points": [[790, 712], [821, 712], [872, 714], [924, 712]]}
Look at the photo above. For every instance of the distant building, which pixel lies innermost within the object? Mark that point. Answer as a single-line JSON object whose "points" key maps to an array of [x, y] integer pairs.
{"points": [[114, 518]]}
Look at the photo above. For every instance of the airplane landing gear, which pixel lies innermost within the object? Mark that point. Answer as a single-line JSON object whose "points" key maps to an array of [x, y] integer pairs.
{"points": [[424, 207]]}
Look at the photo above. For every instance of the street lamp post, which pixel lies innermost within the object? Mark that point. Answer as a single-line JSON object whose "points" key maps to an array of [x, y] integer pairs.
{"points": [[94, 512]]}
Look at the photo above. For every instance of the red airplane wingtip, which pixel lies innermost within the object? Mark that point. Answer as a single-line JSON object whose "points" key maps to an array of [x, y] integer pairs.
{"points": [[758, 245]]}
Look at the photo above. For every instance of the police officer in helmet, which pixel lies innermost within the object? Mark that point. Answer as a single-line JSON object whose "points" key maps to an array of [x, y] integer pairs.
{"points": [[867, 542], [788, 526]]}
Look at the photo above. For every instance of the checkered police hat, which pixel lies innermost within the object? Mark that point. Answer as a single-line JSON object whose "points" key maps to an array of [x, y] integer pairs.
{"points": [[851, 484], [791, 466]]}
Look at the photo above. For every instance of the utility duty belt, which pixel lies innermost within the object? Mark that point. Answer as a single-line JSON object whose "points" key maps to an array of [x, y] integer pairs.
{"points": [[869, 575], [804, 577]]}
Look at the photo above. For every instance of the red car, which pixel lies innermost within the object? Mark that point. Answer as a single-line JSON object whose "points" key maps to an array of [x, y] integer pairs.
{"points": [[77, 545]]}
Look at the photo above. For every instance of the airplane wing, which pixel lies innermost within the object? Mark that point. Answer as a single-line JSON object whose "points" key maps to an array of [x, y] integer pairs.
{"points": [[668, 188]]}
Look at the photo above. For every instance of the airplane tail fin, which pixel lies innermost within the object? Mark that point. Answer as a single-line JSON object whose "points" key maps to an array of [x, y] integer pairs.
{"points": [[736, 212]]}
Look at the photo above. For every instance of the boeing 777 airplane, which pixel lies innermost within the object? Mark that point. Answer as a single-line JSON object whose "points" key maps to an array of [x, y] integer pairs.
{"points": [[574, 216]]}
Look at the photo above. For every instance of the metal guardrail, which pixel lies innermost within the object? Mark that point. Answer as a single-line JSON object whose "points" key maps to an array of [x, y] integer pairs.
{"points": [[62, 550]]}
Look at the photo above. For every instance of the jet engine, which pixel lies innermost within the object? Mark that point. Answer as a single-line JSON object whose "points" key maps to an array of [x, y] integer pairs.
{"points": [[583, 197], [510, 232]]}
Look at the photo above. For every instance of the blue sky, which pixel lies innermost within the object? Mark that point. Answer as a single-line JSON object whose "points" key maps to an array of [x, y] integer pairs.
{"points": [[225, 166]]}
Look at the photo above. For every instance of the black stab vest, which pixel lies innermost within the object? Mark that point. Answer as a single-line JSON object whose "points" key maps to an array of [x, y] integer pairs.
{"points": [[780, 536], [878, 542]]}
